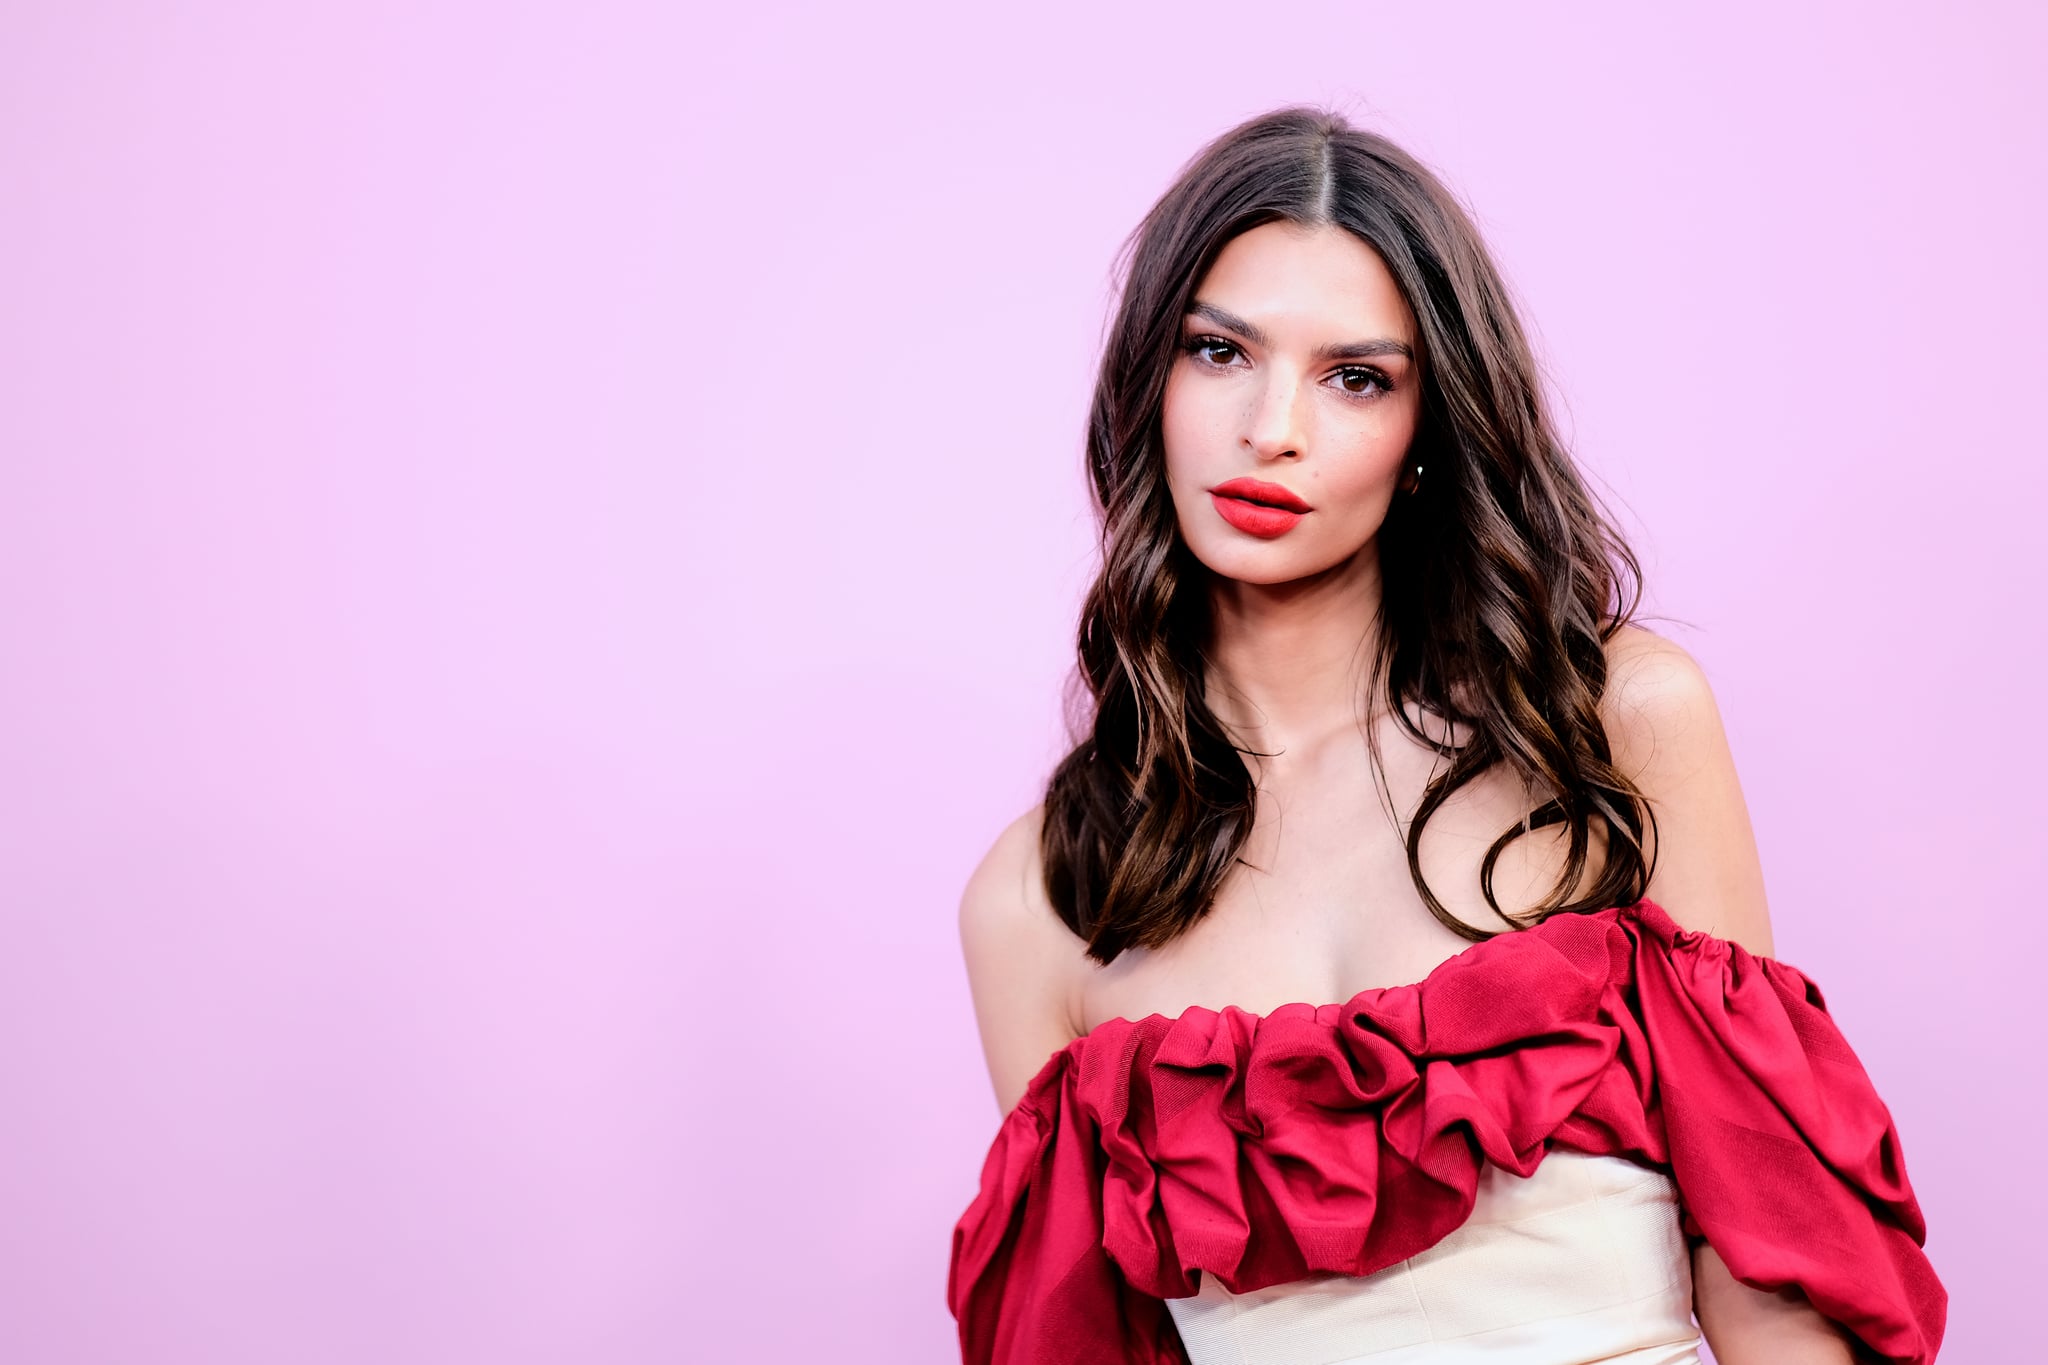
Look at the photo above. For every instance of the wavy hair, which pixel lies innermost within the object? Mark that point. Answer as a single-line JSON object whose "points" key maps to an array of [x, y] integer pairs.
{"points": [[1502, 579]]}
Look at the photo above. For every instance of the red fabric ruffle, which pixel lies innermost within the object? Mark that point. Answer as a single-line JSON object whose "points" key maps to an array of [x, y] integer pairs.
{"points": [[1345, 1138]]}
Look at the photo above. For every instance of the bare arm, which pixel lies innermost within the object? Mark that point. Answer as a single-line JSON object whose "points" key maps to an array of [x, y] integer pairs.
{"points": [[1021, 961], [1667, 735], [1746, 1326]]}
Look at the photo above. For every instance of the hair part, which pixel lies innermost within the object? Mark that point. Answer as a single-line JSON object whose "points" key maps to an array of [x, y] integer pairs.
{"points": [[1502, 579]]}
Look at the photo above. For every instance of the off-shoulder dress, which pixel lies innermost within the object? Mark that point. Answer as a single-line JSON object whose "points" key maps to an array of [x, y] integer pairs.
{"points": [[1506, 1161]]}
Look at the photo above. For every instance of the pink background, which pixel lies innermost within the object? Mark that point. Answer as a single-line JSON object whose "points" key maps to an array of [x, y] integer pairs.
{"points": [[538, 546]]}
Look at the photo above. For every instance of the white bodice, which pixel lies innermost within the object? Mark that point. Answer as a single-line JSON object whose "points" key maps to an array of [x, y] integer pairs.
{"points": [[1583, 1261]]}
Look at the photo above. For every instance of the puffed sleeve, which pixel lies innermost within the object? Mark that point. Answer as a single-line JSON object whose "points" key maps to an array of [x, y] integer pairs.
{"points": [[1787, 1160], [1029, 1280]]}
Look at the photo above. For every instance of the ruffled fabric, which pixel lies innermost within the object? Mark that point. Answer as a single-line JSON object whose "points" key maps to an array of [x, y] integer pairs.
{"points": [[1345, 1138]]}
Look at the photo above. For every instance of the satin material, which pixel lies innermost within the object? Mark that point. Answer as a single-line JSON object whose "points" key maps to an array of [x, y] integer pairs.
{"points": [[1156, 1153], [1582, 1262]]}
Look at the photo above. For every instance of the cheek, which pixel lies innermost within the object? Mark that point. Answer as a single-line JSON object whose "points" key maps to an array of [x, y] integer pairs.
{"points": [[1194, 454], [1367, 466], [1182, 424]]}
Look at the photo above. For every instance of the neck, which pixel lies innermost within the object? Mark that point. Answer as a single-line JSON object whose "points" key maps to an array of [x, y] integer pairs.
{"points": [[1288, 661]]}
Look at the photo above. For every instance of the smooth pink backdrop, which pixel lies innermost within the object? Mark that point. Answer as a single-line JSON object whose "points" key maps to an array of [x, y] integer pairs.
{"points": [[538, 545]]}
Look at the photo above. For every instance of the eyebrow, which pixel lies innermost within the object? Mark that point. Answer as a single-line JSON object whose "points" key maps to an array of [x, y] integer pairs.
{"points": [[1335, 350]]}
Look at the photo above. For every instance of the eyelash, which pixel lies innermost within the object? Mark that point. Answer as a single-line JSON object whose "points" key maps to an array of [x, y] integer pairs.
{"points": [[1196, 345]]}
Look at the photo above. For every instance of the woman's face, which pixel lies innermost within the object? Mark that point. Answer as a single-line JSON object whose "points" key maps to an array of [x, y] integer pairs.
{"points": [[1297, 371]]}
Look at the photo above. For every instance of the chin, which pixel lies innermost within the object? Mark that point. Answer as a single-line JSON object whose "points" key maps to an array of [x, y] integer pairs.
{"points": [[1261, 565]]}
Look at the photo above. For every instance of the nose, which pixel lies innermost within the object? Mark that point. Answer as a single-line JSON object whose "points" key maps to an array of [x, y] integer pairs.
{"points": [[1275, 426]]}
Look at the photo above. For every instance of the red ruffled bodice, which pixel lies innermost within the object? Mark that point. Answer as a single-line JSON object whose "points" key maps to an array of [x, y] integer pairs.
{"points": [[1345, 1138]]}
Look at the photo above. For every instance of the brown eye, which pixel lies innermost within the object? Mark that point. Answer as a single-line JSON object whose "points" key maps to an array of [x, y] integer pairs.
{"points": [[1202, 347], [1364, 377]]}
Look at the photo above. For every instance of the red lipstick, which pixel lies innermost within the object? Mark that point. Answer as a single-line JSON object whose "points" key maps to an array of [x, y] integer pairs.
{"points": [[1258, 508]]}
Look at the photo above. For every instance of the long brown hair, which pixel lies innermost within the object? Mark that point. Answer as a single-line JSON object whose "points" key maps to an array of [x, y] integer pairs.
{"points": [[1502, 579]]}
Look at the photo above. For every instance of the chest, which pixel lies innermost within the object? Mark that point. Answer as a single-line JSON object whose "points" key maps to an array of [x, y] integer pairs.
{"points": [[1321, 904]]}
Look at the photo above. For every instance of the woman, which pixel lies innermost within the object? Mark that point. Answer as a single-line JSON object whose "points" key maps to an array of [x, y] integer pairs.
{"points": [[1371, 724]]}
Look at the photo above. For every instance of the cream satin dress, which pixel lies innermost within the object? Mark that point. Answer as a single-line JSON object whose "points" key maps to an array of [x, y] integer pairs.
{"points": [[1582, 1262]]}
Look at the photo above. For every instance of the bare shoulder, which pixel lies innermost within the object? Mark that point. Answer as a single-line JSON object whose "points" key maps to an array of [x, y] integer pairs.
{"points": [[1006, 893], [1665, 730], [1647, 673], [1022, 961], [1658, 707]]}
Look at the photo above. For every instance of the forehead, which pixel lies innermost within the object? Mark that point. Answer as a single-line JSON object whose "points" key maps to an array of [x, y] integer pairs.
{"points": [[1292, 278]]}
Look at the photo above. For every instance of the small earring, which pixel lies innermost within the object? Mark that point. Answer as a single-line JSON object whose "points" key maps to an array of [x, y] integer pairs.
{"points": [[1416, 487]]}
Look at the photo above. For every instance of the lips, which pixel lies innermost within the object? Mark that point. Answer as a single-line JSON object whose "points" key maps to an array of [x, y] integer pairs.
{"points": [[1258, 508], [1263, 493]]}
